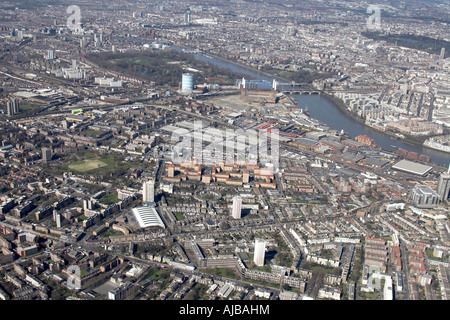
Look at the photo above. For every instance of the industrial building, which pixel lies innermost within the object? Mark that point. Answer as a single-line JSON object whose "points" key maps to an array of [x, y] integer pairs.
{"points": [[148, 217], [412, 167], [258, 90]]}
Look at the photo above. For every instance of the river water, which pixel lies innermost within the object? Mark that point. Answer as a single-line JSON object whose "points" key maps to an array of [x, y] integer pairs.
{"points": [[322, 109]]}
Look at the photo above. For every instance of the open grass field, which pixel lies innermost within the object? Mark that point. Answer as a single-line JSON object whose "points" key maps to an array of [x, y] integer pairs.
{"points": [[109, 199], [89, 162], [87, 165]]}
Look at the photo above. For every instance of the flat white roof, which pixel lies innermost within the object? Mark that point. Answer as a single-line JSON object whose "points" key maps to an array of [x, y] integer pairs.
{"points": [[25, 94], [234, 114], [411, 167]]}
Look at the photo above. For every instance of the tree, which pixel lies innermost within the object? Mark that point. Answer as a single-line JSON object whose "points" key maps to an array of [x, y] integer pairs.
{"points": [[286, 287]]}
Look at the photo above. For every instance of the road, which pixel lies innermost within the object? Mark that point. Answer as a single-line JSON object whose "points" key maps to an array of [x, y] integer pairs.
{"points": [[22, 229], [404, 271], [202, 274]]}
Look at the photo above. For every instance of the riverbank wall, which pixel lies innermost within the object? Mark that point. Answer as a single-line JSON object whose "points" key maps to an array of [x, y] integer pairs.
{"points": [[341, 105]]}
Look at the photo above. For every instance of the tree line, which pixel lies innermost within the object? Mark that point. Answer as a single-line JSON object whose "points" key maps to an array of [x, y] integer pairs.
{"points": [[422, 43]]}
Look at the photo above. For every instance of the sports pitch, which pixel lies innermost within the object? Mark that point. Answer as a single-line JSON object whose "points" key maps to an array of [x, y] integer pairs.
{"points": [[87, 165]]}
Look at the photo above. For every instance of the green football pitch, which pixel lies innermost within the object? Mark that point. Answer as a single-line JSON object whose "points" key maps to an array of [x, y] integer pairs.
{"points": [[87, 165]]}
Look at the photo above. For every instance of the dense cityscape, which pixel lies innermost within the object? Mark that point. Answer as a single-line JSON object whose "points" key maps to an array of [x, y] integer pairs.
{"points": [[196, 150]]}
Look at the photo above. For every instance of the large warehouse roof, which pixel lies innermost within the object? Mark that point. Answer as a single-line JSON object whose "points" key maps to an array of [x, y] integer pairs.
{"points": [[412, 167], [148, 217]]}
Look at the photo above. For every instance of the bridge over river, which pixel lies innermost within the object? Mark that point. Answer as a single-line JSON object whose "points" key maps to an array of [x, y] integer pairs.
{"points": [[294, 91]]}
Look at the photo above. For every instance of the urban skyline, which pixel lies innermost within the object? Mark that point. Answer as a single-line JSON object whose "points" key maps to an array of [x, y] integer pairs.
{"points": [[224, 151]]}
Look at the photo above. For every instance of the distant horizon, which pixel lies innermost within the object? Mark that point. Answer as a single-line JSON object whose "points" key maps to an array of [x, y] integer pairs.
{"points": [[224, 158]]}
